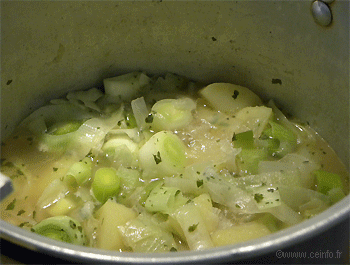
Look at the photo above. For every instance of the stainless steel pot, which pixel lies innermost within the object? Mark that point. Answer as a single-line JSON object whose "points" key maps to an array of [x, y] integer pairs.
{"points": [[279, 49]]}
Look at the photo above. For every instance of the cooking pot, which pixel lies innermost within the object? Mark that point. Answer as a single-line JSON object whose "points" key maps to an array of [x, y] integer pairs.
{"points": [[284, 50]]}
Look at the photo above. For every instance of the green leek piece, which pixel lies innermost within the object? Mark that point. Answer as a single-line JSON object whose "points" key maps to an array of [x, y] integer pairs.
{"points": [[335, 195], [144, 234], [147, 190], [164, 154], [62, 228], [327, 181], [171, 114], [164, 199], [243, 140], [248, 160], [286, 138], [61, 128], [81, 171], [106, 183]]}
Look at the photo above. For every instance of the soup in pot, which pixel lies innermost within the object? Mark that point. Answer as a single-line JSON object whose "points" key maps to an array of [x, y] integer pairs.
{"points": [[161, 163]]}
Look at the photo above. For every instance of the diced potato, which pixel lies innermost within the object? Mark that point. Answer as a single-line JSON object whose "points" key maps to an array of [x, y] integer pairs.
{"points": [[230, 98], [111, 215], [239, 233]]}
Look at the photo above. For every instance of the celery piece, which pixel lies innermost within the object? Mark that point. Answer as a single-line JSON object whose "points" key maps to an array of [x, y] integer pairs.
{"points": [[164, 199], [144, 234], [248, 160], [327, 181], [81, 171], [286, 138], [162, 155], [106, 183], [171, 114], [62, 228], [243, 140], [229, 98]]}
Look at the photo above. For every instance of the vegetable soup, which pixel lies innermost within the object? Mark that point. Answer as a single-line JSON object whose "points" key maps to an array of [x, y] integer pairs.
{"points": [[162, 163]]}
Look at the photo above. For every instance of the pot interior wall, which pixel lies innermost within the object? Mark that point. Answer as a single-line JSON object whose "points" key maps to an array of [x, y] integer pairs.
{"points": [[274, 48]]}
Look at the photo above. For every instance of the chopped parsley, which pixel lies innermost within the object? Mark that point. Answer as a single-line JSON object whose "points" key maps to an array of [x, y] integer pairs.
{"points": [[235, 94], [149, 118], [157, 158], [21, 212], [258, 197], [192, 228], [234, 138], [11, 205], [199, 183]]}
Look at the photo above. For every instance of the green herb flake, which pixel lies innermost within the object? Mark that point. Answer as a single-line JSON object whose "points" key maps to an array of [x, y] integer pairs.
{"points": [[55, 169], [192, 228], [258, 197], [149, 118], [173, 249], [11, 205], [199, 183], [234, 138], [157, 158], [20, 212], [235, 94], [23, 224]]}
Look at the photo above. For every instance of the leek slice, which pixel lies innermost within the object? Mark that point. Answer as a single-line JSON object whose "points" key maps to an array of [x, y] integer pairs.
{"points": [[140, 111], [171, 114], [162, 155], [251, 118], [126, 86], [62, 228], [106, 183], [144, 234], [193, 226], [164, 199], [81, 171]]}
